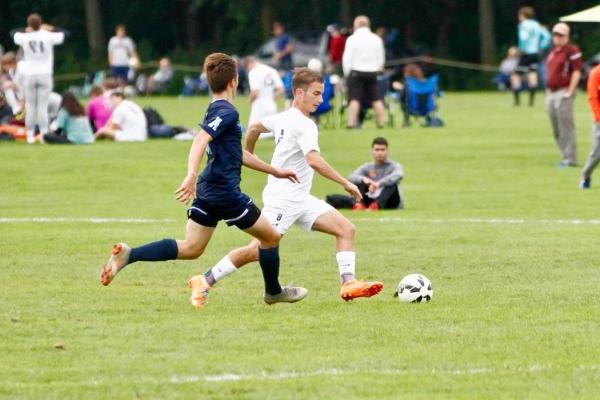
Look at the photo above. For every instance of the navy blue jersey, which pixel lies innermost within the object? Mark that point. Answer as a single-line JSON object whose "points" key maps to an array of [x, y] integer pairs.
{"points": [[220, 180]]}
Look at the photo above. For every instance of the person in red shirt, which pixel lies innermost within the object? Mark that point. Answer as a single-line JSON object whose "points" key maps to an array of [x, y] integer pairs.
{"points": [[335, 50], [563, 66], [593, 89]]}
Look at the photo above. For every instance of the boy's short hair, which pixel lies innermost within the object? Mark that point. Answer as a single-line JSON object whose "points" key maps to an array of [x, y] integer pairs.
{"points": [[220, 70], [34, 21], [303, 77], [117, 93], [527, 12], [380, 141]]}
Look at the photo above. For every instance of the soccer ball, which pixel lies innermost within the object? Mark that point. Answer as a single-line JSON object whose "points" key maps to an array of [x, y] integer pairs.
{"points": [[414, 288]]}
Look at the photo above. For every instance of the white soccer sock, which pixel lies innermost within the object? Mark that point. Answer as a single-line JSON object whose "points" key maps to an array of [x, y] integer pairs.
{"points": [[30, 136], [223, 268], [346, 263]]}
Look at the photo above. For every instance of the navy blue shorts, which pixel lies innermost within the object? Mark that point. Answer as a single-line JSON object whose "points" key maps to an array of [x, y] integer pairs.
{"points": [[120, 73], [242, 213]]}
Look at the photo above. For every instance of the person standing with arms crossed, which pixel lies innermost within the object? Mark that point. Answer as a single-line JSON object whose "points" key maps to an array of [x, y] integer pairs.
{"points": [[37, 68], [563, 66]]}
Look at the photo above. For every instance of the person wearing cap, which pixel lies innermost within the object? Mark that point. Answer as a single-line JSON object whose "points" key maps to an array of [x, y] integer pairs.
{"points": [[563, 66], [593, 89]]}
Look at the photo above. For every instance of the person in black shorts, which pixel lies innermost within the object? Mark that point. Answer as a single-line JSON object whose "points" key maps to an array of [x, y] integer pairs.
{"points": [[216, 196], [363, 60]]}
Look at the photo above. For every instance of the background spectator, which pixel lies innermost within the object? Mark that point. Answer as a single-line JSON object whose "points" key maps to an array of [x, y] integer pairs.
{"points": [[335, 49], [284, 48], [364, 58], [8, 82], [265, 87], [6, 113], [530, 35], [593, 90], [564, 67], [98, 109], [507, 68], [121, 49], [37, 68], [159, 81], [73, 126], [127, 122], [378, 180]]}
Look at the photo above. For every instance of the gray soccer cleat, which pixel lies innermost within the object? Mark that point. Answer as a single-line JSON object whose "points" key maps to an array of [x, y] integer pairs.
{"points": [[289, 294]]}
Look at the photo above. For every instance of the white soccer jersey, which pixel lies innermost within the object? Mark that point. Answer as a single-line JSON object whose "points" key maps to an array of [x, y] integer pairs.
{"points": [[295, 136], [38, 50], [265, 80]]}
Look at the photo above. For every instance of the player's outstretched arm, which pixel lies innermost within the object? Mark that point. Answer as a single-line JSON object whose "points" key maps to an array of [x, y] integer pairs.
{"points": [[252, 135], [318, 163], [187, 189], [253, 162]]}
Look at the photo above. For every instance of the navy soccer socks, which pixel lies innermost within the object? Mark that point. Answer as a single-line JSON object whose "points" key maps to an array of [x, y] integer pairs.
{"points": [[161, 250], [269, 263]]}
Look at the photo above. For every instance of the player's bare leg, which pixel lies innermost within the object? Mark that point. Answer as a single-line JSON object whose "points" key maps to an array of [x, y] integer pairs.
{"points": [[196, 239], [334, 223]]}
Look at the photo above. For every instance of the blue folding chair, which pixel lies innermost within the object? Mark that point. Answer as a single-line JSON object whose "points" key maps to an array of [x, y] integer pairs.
{"points": [[420, 101]]}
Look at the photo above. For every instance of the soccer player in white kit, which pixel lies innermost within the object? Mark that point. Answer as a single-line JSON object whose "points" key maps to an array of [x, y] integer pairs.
{"points": [[37, 68], [265, 86], [297, 148]]}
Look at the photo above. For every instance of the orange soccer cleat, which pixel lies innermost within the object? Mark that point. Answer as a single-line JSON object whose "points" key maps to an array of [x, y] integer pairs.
{"points": [[353, 289], [200, 290], [118, 259]]}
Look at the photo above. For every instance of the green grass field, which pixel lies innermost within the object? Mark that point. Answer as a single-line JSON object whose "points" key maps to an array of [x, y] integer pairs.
{"points": [[507, 239]]}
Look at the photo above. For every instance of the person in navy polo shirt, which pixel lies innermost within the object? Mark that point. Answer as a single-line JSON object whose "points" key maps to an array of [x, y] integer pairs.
{"points": [[283, 48], [216, 196], [563, 66]]}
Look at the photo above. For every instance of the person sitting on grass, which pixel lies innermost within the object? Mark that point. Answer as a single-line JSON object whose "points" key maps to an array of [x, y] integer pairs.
{"points": [[98, 109], [127, 122], [73, 126], [378, 180]]}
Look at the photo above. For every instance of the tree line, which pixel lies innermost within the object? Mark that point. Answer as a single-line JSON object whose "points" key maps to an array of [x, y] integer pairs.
{"points": [[186, 30]]}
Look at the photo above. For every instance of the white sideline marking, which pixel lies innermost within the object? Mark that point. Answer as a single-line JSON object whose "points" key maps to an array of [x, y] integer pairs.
{"points": [[493, 221], [180, 379], [88, 220]]}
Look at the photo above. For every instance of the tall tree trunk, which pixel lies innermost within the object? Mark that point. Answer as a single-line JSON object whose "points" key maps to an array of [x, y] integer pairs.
{"points": [[346, 16], [266, 18], [191, 26], [487, 37], [95, 34]]}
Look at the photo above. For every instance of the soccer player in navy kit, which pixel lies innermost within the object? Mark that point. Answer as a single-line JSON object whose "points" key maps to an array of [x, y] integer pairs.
{"points": [[216, 195]]}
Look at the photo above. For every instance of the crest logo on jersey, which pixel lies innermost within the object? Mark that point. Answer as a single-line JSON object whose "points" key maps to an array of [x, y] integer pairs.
{"points": [[214, 125]]}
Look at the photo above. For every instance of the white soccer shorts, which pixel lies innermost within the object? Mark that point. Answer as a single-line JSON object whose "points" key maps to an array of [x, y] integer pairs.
{"points": [[285, 213]]}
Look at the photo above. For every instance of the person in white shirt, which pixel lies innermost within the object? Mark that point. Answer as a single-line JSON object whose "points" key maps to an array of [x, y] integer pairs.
{"points": [[37, 68], [121, 49], [285, 204], [363, 59], [265, 86], [127, 122]]}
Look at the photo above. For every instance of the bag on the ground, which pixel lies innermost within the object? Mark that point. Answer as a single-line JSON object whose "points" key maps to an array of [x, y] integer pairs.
{"points": [[153, 117], [340, 201]]}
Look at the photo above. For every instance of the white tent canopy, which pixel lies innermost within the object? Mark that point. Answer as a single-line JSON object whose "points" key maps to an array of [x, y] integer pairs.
{"points": [[589, 15]]}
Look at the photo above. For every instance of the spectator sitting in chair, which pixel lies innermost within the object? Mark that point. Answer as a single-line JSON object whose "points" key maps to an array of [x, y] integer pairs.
{"points": [[158, 82], [127, 122], [98, 109], [378, 180]]}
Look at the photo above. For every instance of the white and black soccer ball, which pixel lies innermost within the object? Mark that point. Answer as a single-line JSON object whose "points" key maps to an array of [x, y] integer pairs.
{"points": [[414, 288]]}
